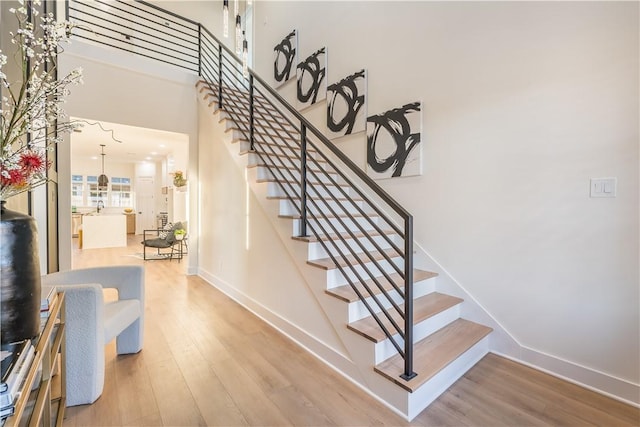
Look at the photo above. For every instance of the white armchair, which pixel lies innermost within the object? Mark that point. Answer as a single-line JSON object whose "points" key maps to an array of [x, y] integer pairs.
{"points": [[91, 323]]}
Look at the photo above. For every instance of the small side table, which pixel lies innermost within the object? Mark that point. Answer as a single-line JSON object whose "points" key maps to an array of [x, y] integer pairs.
{"points": [[37, 402]]}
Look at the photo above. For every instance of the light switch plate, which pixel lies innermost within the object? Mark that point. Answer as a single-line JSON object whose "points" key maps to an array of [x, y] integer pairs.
{"points": [[603, 187]]}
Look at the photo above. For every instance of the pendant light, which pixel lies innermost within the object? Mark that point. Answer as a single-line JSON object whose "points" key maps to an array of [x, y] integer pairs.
{"points": [[103, 181], [245, 56], [238, 35], [225, 18]]}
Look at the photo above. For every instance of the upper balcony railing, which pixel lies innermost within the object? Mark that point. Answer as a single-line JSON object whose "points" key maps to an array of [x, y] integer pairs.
{"points": [[334, 201]]}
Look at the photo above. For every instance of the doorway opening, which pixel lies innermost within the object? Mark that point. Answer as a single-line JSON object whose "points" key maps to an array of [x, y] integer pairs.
{"points": [[139, 193]]}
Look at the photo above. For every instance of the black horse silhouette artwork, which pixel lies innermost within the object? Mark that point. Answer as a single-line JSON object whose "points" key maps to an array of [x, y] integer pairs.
{"points": [[285, 56], [393, 142], [346, 108], [311, 73]]}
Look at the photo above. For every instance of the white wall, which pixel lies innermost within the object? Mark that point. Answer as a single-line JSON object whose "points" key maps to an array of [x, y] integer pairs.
{"points": [[122, 88], [523, 103], [241, 253]]}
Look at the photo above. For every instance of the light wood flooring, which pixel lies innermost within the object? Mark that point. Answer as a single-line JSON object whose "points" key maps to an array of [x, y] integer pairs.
{"points": [[208, 361]]}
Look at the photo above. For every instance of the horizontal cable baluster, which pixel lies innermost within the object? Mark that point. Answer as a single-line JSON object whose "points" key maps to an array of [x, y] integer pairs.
{"points": [[376, 227], [289, 190], [192, 68], [365, 252], [360, 279], [177, 17], [126, 27], [363, 213], [142, 19], [357, 189], [189, 60]]}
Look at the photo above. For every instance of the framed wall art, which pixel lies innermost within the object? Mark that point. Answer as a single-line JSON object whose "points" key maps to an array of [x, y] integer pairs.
{"points": [[312, 82], [394, 143], [346, 105], [285, 58]]}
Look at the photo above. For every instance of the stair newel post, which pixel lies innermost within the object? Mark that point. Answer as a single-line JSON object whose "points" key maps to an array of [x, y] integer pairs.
{"points": [[408, 299], [303, 180], [220, 76], [251, 124]]}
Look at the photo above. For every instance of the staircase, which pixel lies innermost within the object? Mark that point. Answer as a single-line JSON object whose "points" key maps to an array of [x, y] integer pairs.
{"points": [[358, 252], [405, 341]]}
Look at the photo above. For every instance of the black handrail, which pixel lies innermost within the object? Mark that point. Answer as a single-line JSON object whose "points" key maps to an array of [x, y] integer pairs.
{"points": [[285, 142]]}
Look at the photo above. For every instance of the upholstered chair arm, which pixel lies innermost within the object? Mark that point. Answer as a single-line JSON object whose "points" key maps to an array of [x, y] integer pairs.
{"points": [[85, 347], [127, 279]]}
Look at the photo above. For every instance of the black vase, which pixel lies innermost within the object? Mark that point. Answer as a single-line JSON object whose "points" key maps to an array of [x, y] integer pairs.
{"points": [[19, 276]]}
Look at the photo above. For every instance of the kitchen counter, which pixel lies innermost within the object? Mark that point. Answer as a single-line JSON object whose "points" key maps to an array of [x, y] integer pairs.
{"points": [[104, 231]]}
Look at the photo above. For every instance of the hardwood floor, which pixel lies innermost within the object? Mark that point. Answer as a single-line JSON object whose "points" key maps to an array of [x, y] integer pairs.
{"points": [[208, 361]]}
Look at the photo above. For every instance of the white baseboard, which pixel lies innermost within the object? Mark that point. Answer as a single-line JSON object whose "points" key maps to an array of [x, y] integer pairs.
{"points": [[608, 385], [322, 352], [504, 344]]}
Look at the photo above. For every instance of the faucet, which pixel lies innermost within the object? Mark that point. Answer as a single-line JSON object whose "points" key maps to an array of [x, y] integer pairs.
{"points": [[100, 205]]}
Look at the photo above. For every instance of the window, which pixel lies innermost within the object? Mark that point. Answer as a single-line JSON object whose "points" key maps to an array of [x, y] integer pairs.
{"points": [[95, 195], [121, 192], [77, 190], [85, 192]]}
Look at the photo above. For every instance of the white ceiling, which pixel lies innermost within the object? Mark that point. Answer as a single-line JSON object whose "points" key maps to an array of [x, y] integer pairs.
{"points": [[124, 143]]}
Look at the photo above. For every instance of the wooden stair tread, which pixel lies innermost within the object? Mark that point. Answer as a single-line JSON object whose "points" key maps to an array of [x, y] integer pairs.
{"points": [[258, 131], [296, 216], [241, 101], [297, 197], [275, 146], [423, 308], [327, 263], [314, 183], [347, 294], [345, 235], [434, 353], [296, 158], [292, 167], [263, 130], [267, 138]]}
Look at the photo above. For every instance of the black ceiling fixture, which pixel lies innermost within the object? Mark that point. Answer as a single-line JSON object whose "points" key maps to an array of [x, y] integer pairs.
{"points": [[103, 181]]}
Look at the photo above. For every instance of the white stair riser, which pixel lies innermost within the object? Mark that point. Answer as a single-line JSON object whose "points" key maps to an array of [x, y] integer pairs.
{"points": [[264, 129], [261, 112], [288, 208], [336, 225], [357, 310], [273, 161], [440, 382], [384, 349], [286, 157], [266, 125], [314, 190], [276, 147], [278, 161], [317, 250], [294, 175], [336, 278], [279, 145]]}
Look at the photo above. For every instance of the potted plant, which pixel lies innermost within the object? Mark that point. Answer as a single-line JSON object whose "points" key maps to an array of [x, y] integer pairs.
{"points": [[178, 179], [179, 233]]}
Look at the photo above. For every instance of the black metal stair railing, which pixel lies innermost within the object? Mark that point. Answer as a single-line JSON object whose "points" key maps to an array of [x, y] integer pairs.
{"points": [[365, 232]]}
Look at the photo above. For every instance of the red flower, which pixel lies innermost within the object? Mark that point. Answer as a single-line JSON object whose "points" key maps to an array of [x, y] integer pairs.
{"points": [[31, 162], [16, 179]]}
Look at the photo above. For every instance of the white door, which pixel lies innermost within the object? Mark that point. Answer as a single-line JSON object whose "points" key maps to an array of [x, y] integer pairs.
{"points": [[146, 217]]}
